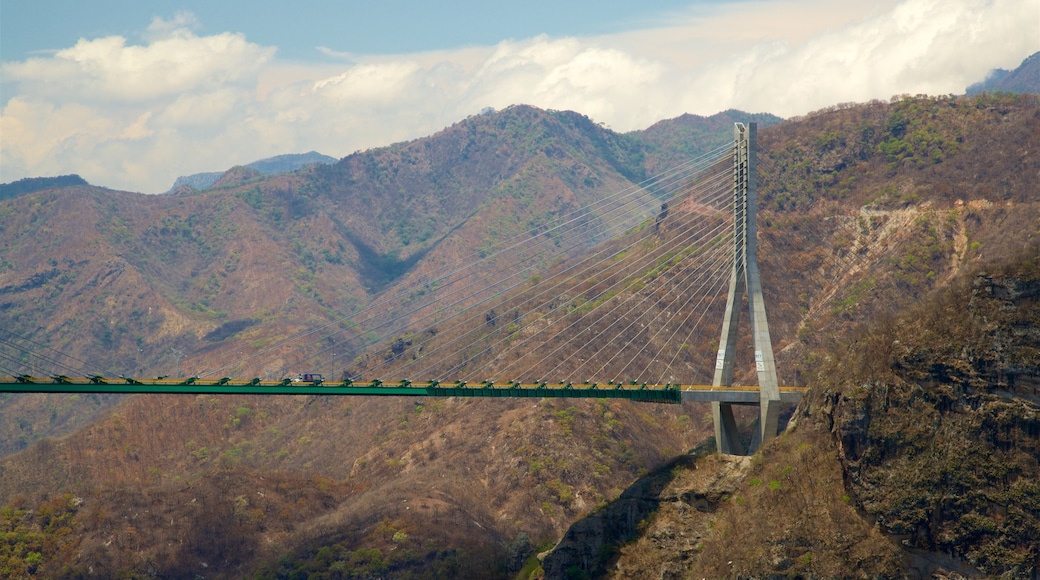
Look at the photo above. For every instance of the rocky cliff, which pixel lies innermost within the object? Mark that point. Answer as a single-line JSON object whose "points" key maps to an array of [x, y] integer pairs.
{"points": [[941, 448]]}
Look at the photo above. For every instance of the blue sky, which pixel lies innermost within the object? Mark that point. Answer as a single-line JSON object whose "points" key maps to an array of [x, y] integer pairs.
{"points": [[298, 28], [131, 94]]}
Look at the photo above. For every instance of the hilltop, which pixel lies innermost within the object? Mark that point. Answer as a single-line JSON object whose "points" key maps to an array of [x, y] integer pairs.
{"points": [[866, 209], [31, 184]]}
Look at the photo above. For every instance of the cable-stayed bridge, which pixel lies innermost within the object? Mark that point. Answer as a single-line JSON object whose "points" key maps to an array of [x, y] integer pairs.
{"points": [[634, 317]]}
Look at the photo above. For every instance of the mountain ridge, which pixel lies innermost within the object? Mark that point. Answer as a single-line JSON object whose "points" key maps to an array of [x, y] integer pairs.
{"points": [[31, 184], [285, 163]]}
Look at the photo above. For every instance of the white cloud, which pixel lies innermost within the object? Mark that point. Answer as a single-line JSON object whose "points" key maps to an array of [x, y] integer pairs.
{"points": [[210, 109], [136, 116], [108, 69], [930, 47]]}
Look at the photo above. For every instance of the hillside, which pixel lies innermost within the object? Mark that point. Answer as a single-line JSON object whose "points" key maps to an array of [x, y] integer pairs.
{"points": [[267, 251], [866, 209], [183, 283], [914, 456]]}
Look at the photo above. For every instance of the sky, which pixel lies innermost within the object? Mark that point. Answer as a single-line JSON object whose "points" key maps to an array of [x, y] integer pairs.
{"points": [[130, 94]]}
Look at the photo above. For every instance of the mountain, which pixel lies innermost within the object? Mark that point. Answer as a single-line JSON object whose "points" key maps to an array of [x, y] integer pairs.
{"points": [[31, 184], [165, 281], [866, 210], [270, 166], [1024, 79], [676, 141], [290, 162]]}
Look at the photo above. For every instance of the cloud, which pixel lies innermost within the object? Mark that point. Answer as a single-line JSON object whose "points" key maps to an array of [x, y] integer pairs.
{"points": [[135, 116], [173, 62], [920, 47], [369, 82], [45, 139], [585, 76], [336, 54], [182, 24]]}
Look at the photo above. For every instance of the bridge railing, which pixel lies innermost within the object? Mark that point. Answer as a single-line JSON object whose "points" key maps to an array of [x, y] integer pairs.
{"points": [[641, 392]]}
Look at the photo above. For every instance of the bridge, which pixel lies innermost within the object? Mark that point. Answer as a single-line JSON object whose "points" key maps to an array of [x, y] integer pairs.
{"points": [[707, 246], [226, 386]]}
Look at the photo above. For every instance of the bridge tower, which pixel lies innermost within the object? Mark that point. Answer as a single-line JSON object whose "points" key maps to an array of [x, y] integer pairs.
{"points": [[744, 281]]}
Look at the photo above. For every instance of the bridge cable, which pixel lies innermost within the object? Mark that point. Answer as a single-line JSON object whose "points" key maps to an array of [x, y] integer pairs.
{"points": [[717, 257], [495, 291], [523, 239], [721, 255], [589, 265], [528, 236], [669, 264], [626, 281], [722, 285], [711, 284], [647, 292], [35, 352]]}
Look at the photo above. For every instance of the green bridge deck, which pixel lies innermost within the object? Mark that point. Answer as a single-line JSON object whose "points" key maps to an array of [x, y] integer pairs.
{"points": [[649, 393]]}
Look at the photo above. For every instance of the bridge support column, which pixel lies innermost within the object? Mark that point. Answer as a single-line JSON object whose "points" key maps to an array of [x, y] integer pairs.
{"points": [[727, 436], [744, 281]]}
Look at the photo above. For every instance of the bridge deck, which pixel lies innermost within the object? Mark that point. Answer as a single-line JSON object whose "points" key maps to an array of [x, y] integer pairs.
{"points": [[650, 393]]}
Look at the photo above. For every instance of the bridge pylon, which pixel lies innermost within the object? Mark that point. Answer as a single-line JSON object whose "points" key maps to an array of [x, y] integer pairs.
{"points": [[744, 281]]}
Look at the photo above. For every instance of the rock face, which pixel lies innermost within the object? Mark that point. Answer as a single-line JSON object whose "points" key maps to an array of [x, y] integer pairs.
{"points": [[945, 472], [685, 489], [943, 452], [1007, 309], [1024, 79], [587, 544]]}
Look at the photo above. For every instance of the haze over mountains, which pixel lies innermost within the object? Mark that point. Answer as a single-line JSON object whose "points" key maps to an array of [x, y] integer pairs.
{"points": [[866, 210], [277, 164], [1024, 79]]}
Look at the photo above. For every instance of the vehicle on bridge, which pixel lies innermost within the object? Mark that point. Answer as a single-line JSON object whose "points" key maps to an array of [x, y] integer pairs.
{"points": [[313, 378]]}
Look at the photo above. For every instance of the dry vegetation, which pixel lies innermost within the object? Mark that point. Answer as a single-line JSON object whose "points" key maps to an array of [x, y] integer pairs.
{"points": [[914, 455], [866, 209], [160, 474]]}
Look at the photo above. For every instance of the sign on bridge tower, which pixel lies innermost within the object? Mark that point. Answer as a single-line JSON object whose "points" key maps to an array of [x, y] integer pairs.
{"points": [[744, 281]]}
